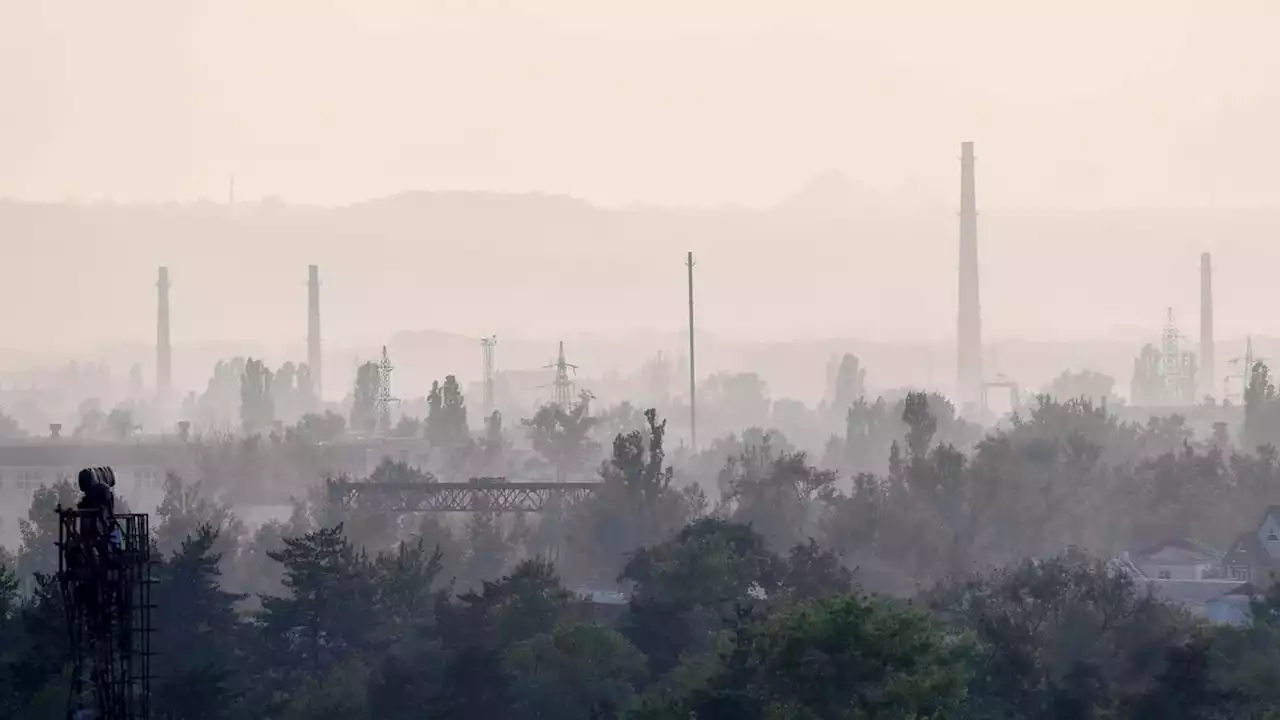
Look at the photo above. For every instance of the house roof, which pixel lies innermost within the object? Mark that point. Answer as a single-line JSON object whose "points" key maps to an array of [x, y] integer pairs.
{"points": [[1247, 550], [1192, 592], [1195, 547]]}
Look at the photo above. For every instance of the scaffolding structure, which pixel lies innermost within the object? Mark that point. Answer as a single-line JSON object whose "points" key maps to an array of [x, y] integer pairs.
{"points": [[104, 573]]}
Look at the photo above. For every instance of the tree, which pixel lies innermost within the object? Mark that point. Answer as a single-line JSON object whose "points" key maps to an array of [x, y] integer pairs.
{"points": [[184, 511], [308, 401], [580, 671], [1083, 385], [685, 589], [846, 384], [120, 424], [318, 429], [326, 615], [636, 504], [447, 414], [478, 628], [776, 496], [1064, 635], [562, 437], [364, 404], [257, 405], [844, 657], [199, 632], [9, 428], [39, 552]]}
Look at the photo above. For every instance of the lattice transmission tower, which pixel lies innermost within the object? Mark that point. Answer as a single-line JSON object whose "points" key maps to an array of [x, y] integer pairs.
{"points": [[562, 386], [385, 398]]}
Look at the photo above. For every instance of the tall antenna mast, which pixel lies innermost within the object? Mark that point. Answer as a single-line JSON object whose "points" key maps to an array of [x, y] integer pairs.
{"points": [[487, 345], [693, 392]]}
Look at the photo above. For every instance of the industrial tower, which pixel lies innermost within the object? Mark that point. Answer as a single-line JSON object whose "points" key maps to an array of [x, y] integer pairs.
{"points": [[562, 386], [164, 350], [487, 346], [969, 320], [313, 330], [1208, 375], [385, 399]]}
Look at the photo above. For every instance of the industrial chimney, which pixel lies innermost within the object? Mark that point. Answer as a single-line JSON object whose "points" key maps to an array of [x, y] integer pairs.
{"points": [[1207, 373], [969, 319], [164, 352], [313, 329]]}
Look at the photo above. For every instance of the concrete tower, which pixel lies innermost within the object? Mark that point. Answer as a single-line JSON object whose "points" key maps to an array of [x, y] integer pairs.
{"points": [[313, 329], [969, 319], [1207, 371], [164, 351]]}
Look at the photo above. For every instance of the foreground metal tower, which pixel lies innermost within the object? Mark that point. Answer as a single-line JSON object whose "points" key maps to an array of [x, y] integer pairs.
{"points": [[164, 349], [487, 346], [104, 573], [1208, 375], [969, 319], [385, 399], [313, 329]]}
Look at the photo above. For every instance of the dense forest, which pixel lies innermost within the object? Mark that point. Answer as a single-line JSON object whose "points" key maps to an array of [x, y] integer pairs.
{"points": [[916, 570]]}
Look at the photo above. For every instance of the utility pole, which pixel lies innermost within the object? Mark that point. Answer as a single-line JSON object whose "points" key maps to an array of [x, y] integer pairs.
{"points": [[693, 392], [488, 344]]}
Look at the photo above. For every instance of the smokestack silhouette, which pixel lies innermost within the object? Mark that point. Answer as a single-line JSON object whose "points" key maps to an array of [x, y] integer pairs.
{"points": [[313, 329], [969, 319], [1207, 373], [164, 351]]}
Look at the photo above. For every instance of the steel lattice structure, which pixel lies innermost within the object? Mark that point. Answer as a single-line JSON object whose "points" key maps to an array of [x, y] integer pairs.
{"points": [[104, 571], [477, 495]]}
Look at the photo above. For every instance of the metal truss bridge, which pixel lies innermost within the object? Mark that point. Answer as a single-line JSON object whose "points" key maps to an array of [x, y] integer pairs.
{"points": [[475, 495]]}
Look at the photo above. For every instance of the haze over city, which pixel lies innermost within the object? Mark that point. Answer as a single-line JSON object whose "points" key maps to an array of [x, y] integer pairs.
{"points": [[1112, 152], [495, 360]]}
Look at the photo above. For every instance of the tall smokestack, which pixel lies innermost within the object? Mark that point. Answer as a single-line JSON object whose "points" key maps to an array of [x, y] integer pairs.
{"points": [[313, 329], [1207, 373], [969, 320], [164, 351]]}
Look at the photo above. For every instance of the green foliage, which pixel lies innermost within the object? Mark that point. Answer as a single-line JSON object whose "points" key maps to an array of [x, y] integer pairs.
{"points": [[364, 403], [257, 404], [845, 657], [185, 510], [38, 552], [325, 616], [562, 437], [318, 429], [684, 589], [447, 414], [1068, 632], [579, 671], [203, 632], [635, 506]]}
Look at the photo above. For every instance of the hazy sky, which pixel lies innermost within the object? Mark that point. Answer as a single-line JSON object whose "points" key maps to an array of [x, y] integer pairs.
{"points": [[1080, 103]]}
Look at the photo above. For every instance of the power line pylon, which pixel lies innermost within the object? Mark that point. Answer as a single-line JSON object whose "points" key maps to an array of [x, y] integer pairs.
{"points": [[385, 399], [562, 386], [487, 346]]}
